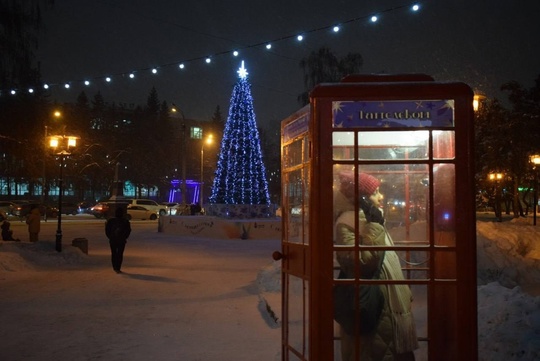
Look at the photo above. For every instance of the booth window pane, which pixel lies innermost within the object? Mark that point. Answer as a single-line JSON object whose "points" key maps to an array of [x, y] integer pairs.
{"points": [[294, 192], [444, 204], [292, 154], [345, 266], [393, 145], [342, 201], [444, 145], [420, 311], [343, 145], [297, 313], [305, 208], [445, 265], [293, 357], [414, 264]]}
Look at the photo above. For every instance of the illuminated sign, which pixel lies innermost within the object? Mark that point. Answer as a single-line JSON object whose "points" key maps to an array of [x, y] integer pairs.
{"points": [[393, 113], [296, 127]]}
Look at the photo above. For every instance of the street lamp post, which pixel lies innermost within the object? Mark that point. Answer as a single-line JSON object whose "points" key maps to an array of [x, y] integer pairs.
{"points": [[175, 109], [535, 160], [496, 177], [61, 145], [56, 114], [209, 140]]}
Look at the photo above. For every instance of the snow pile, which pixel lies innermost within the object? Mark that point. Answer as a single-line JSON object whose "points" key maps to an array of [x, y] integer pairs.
{"points": [[508, 324], [508, 252], [19, 256]]}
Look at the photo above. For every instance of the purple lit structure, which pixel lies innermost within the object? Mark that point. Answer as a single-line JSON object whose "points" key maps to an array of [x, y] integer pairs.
{"points": [[193, 191]]}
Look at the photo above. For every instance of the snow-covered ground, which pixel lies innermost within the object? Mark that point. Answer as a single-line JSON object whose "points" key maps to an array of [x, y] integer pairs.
{"points": [[213, 299], [509, 290]]}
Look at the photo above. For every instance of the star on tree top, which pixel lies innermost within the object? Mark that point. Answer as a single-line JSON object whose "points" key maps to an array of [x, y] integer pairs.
{"points": [[242, 72]]}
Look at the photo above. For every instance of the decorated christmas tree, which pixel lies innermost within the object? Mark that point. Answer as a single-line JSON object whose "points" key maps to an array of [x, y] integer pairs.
{"points": [[240, 176]]}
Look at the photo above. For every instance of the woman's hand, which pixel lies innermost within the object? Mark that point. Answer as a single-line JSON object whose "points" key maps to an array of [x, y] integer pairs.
{"points": [[372, 213]]}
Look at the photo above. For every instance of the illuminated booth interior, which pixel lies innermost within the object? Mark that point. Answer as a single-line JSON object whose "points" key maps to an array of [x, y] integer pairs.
{"points": [[412, 138]]}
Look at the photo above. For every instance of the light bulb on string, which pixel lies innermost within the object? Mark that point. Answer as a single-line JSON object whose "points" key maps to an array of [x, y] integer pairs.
{"points": [[86, 82], [131, 75], [66, 85], [414, 7], [108, 79], [45, 86]]}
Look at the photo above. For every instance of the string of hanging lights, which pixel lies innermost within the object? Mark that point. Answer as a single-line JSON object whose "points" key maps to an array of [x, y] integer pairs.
{"points": [[267, 44]]}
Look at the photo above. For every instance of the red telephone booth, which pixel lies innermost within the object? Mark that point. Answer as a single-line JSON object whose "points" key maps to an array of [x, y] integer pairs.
{"points": [[378, 204]]}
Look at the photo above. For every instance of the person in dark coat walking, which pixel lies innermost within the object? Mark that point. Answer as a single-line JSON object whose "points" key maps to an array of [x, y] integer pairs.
{"points": [[118, 230]]}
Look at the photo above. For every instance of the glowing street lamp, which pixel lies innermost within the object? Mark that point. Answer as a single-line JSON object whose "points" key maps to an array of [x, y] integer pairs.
{"points": [[535, 161], [62, 146], [497, 177], [477, 100], [208, 141]]}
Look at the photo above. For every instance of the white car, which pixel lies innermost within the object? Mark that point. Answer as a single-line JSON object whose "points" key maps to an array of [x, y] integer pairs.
{"points": [[140, 212], [148, 204]]}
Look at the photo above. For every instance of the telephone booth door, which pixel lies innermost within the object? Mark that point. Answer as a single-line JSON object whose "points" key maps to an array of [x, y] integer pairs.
{"points": [[378, 199], [296, 240]]}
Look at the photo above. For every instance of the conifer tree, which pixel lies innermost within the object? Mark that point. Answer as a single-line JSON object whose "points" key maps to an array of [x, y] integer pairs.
{"points": [[240, 177]]}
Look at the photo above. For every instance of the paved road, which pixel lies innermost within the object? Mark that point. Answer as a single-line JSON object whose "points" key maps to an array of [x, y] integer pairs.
{"points": [[178, 299]]}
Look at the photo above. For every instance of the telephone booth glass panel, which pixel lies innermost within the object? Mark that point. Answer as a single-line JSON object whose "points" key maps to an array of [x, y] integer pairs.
{"points": [[371, 177], [296, 169], [407, 175]]}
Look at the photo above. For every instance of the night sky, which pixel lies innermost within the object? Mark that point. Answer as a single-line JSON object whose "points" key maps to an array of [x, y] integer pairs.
{"points": [[484, 43]]}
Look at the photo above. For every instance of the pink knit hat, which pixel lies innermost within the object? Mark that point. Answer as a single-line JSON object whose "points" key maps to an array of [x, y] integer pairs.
{"points": [[367, 184]]}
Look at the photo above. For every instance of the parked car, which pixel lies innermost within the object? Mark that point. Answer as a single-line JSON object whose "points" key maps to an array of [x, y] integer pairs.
{"points": [[180, 210], [140, 212], [69, 208], [148, 204], [100, 210], [22, 209], [7, 207], [169, 204], [84, 207]]}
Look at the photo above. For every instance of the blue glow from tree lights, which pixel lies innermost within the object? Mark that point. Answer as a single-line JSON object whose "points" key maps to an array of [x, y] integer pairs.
{"points": [[240, 176]]}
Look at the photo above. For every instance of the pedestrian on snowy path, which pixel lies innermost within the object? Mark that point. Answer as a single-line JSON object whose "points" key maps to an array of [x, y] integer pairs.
{"points": [[34, 223], [118, 230]]}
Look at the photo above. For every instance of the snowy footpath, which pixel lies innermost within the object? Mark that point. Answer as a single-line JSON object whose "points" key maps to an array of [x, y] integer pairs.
{"points": [[191, 299]]}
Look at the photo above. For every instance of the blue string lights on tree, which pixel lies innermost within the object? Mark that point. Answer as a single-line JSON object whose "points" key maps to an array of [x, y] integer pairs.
{"points": [[240, 176]]}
